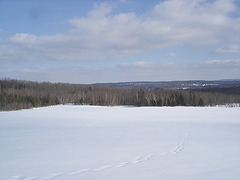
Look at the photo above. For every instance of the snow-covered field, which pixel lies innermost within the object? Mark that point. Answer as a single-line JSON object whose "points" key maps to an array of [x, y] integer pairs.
{"points": [[120, 143]]}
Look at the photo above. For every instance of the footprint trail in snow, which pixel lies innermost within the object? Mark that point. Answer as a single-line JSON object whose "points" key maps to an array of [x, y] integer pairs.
{"points": [[179, 146]]}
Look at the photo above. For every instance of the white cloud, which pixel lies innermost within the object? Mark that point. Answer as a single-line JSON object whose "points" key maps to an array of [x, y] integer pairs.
{"points": [[33, 70], [225, 61], [103, 35], [231, 49], [171, 54], [139, 64], [22, 39]]}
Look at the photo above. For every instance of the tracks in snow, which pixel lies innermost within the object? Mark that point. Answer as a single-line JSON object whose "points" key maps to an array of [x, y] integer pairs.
{"points": [[179, 146]]}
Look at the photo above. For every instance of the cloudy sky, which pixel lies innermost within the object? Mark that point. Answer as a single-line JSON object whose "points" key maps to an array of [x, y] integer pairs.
{"points": [[119, 40]]}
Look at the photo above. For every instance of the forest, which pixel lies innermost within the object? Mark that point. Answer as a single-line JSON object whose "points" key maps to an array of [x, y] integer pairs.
{"points": [[19, 94]]}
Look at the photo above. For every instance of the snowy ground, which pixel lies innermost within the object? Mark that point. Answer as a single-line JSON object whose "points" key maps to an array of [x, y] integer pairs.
{"points": [[120, 143]]}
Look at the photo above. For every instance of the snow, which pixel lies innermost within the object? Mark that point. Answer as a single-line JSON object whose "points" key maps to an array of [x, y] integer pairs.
{"points": [[118, 143]]}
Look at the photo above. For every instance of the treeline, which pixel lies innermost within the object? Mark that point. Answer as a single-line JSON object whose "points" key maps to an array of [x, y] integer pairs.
{"points": [[16, 94], [223, 90]]}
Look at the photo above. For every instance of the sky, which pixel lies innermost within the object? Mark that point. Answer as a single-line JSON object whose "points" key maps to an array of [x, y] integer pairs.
{"points": [[94, 41]]}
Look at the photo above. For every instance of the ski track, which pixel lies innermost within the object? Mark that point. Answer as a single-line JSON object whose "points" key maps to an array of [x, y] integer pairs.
{"points": [[179, 146]]}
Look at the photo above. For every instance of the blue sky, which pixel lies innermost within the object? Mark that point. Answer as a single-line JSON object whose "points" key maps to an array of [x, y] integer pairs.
{"points": [[119, 40]]}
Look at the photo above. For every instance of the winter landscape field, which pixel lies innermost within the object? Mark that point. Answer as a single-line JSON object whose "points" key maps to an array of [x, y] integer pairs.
{"points": [[69, 142]]}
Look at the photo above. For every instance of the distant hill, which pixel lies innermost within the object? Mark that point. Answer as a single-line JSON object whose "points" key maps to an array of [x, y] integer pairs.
{"points": [[174, 85]]}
